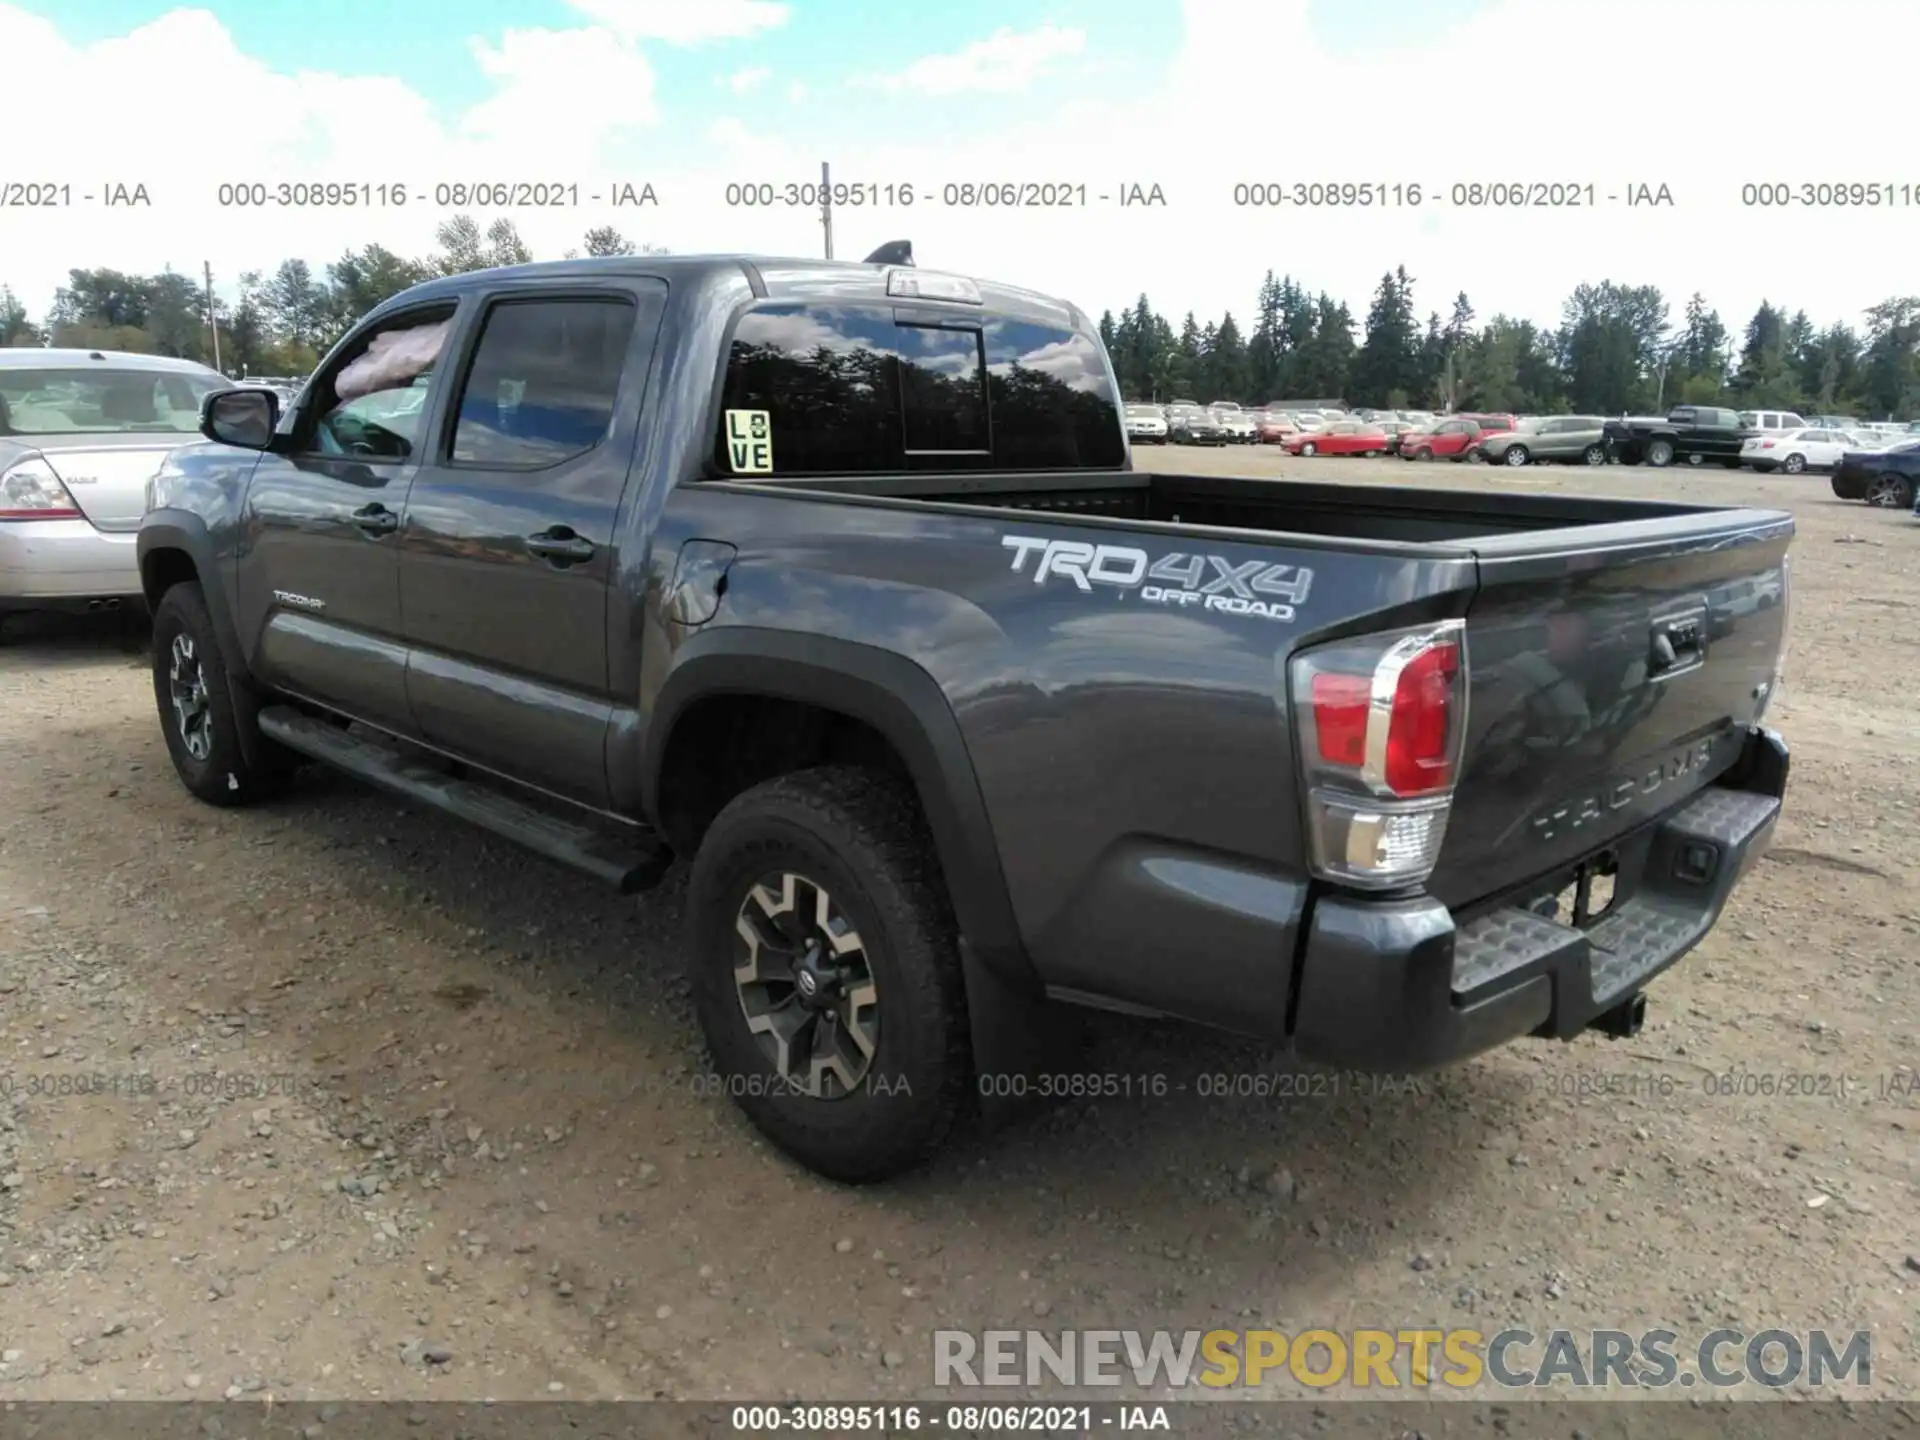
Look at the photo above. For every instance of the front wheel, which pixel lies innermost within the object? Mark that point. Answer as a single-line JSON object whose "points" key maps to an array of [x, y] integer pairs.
{"points": [[202, 709], [1594, 455], [1794, 464], [1660, 452], [1423, 453], [1517, 455], [826, 972], [1890, 492], [1308, 448]]}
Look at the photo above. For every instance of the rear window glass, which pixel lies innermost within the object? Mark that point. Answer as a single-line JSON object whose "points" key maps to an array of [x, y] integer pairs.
{"points": [[103, 401], [814, 390]]}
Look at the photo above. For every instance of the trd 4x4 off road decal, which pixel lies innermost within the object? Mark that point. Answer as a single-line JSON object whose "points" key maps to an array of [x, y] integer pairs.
{"points": [[1209, 582]]}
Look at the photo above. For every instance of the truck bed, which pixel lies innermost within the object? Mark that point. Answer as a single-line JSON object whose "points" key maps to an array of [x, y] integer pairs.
{"points": [[1398, 514], [1576, 735]]}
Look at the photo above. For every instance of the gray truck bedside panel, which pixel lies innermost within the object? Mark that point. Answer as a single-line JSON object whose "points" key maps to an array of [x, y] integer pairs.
{"points": [[1130, 756]]}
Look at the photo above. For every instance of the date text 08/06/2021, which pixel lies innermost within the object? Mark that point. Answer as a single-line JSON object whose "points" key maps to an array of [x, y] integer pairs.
{"points": [[893, 1419]]}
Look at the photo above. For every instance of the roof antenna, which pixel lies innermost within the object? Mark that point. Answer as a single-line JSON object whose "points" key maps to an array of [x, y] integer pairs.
{"points": [[894, 252]]}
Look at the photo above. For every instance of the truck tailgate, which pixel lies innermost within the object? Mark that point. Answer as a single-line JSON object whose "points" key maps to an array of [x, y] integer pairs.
{"points": [[1611, 673]]}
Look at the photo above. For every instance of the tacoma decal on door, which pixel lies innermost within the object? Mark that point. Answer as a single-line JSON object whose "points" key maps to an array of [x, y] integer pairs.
{"points": [[1177, 579]]}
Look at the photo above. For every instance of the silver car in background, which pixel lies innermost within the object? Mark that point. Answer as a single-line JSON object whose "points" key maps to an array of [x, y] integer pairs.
{"points": [[81, 433]]}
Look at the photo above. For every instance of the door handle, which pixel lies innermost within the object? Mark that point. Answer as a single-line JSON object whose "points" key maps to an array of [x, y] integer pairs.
{"points": [[560, 545], [376, 519]]}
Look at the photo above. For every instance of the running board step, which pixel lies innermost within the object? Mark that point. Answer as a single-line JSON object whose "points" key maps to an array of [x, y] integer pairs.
{"points": [[630, 865]]}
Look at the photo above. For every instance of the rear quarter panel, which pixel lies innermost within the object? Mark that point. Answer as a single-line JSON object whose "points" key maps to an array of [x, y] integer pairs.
{"points": [[1136, 761]]}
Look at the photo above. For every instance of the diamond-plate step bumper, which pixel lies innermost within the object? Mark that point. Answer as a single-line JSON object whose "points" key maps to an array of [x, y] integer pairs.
{"points": [[1400, 986], [1693, 860]]}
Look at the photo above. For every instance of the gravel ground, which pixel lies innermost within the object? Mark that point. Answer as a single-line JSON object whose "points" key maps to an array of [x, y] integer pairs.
{"points": [[339, 1099]]}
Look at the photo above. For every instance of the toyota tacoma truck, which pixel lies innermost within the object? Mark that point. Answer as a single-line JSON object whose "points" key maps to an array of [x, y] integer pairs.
{"points": [[836, 582], [1693, 434]]}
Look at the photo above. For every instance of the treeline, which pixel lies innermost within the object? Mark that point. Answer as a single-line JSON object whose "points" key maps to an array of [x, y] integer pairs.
{"points": [[1618, 348], [281, 322]]}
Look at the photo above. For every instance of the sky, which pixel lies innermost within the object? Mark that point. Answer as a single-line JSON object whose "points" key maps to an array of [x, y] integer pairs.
{"points": [[1207, 103]]}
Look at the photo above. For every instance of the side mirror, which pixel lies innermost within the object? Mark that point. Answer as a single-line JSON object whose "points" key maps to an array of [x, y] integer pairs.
{"points": [[246, 418]]}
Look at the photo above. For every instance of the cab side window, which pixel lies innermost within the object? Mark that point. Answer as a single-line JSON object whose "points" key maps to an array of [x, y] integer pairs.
{"points": [[371, 406]]}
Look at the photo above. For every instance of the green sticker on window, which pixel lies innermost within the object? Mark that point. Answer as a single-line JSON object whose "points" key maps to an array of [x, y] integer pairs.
{"points": [[750, 441]]}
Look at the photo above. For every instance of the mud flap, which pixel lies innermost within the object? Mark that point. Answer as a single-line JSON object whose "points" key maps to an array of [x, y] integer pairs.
{"points": [[1017, 1037]]}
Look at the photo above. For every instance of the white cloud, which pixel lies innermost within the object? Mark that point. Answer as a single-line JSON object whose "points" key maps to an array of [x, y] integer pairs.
{"points": [[752, 78], [678, 22], [599, 83], [1006, 61], [797, 92], [561, 101]]}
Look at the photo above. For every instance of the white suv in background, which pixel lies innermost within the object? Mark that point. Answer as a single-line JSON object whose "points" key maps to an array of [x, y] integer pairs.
{"points": [[1772, 420]]}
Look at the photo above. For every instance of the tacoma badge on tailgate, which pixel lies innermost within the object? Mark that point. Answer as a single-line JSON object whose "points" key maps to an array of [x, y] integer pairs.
{"points": [[1213, 582], [1624, 790]]}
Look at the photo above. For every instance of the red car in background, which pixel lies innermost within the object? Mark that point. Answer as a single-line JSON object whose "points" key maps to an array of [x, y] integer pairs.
{"points": [[1343, 437], [1273, 429], [1453, 438]]}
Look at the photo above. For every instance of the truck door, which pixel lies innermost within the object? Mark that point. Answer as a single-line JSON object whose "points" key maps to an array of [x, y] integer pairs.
{"points": [[318, 579], [509, 544]]}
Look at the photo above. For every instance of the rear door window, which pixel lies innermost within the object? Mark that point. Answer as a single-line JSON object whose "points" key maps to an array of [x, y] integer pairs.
{"points": [[542, 383], [852, 390]]}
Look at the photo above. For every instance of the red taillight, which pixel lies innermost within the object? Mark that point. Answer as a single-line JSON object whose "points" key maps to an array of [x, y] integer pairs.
{"points": [[1340, 704], [1381, 721], [1419, 739]]}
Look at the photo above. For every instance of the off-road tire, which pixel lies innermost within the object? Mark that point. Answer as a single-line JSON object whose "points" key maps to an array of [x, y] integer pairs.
{"points": [[224, 775], [861, 837]]}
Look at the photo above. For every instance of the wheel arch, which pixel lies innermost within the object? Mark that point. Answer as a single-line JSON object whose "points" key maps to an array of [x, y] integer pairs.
{"points": [[174, 547], [879, 691]]}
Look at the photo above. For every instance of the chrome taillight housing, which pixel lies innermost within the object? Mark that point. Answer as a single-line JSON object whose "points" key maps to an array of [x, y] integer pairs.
{"points": [[1381, 723]]}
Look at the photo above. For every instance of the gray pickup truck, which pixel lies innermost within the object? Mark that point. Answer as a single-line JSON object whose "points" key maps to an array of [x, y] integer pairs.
{"points": [[836, 580]]}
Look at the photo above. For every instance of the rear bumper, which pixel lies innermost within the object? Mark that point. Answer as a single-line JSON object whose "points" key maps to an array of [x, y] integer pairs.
{"points": [[64, 561], [1399, 986]]}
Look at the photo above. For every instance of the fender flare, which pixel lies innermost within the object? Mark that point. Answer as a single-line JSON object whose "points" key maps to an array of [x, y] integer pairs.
{"points": [[905, 705], [187, 532]]}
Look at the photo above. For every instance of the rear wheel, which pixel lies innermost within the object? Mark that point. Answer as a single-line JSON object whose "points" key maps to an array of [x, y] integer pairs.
{"points": [[826, 972], [1794, 464], [1594, 454], [1659, 452], [203, 709]]}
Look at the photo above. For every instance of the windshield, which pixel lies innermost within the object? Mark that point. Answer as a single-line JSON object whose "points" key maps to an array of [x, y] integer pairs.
{"points": [[99, 401], [1144, 412]]}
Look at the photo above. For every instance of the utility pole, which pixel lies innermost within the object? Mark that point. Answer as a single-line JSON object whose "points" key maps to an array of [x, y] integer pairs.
{"points": [[826, 206], [213, 321]]}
